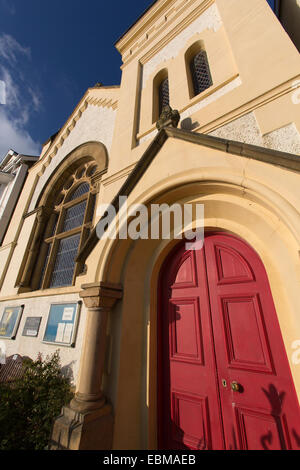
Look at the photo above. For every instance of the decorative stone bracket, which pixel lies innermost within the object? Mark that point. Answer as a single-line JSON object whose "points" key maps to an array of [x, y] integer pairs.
{"points": [[168, 118]]}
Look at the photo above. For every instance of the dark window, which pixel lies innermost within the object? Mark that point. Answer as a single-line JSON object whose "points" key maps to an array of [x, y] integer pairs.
{"points": [[63, 271], [80, 191], [163, 94], [200, 72], [68, 227], [74, 216]]}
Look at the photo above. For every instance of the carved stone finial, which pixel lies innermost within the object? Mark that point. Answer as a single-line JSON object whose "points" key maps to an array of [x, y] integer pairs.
{"points": [[169, 117]]}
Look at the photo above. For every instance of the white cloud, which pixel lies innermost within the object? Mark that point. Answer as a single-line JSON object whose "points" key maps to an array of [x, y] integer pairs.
{"points": [[12, 90], [2, 92], [10, 48], [16, 138], [21, 99], [36, 99]]}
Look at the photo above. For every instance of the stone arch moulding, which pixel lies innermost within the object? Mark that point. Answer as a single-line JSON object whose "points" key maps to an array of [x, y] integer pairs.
{"points": [[86, 152], [229, 209], [251, 190], [90, 152]]}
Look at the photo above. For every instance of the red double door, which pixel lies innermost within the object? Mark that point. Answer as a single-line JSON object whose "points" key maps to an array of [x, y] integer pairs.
{"points": [[224, 378]]}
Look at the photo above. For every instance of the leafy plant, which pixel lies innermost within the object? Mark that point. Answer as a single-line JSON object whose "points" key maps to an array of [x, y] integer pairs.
{"points": [[29, 405]]}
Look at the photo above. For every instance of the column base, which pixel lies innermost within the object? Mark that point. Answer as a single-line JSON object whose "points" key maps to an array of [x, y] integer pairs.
{"points": [[92, 430], [84, 403]]}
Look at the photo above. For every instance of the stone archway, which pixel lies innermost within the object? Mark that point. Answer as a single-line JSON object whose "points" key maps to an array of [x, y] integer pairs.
{"points": [[136, 265]]}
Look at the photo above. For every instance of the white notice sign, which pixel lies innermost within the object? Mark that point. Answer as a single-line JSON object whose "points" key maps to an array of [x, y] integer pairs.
{"points": [[60, 333], [68, 333], [31, 332], [68, 314]]}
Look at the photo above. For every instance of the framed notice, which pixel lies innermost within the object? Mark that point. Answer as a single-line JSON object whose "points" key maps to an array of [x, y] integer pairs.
{"points": [[9, 321], [62, 324], [32, 326]]}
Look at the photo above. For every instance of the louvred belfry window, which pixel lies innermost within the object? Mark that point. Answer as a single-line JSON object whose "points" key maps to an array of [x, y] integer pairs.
{"points": [[67, 230], [200, 72]]}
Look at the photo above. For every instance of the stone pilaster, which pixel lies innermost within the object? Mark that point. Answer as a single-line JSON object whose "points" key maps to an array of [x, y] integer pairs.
{"points": [[87, 423], [43, 214]]}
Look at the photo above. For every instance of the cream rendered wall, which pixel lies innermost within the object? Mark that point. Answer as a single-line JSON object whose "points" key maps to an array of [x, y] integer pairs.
{"points": [[263, 68], [251, 102], [96, 123], [255, 200], [28, 346]]}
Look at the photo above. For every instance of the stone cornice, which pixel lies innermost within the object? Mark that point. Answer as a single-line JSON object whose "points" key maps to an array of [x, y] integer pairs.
{"points": [[147, 29], [42, 293], [176, 30], [145, 21], [118, 175]]}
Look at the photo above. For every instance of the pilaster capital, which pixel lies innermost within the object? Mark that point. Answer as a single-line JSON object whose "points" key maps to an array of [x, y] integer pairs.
{"points": [[101, 294]]}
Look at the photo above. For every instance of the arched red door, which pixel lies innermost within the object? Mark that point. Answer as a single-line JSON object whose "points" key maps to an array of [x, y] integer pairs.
{"points": [[224, 378]]}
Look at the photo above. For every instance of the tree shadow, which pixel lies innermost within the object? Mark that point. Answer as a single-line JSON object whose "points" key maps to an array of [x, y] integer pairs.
{"points": [[179, 437], [67, 371], [276, 400]]}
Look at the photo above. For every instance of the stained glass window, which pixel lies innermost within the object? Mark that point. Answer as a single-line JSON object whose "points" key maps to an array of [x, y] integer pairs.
{"points": [[62, 274], [74, 216], [80, 191], [68, 228]]}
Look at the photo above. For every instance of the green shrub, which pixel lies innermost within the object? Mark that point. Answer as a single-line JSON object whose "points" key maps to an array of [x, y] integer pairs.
{"points": [[29, 405]]}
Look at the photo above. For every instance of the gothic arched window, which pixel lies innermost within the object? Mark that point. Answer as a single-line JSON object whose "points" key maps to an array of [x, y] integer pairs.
{"points": [[163, 94], [200, 72], [69, 224]]}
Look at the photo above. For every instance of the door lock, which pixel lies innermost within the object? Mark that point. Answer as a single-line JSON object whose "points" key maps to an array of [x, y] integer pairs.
{"points": [[224, 383], [235, 387]]}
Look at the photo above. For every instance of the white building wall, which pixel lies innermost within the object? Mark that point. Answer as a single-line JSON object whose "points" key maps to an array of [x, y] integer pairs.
{"points": [[95, 124], [29, 346]]}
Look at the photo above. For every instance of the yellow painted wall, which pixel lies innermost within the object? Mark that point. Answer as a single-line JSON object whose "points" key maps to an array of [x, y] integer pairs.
{"points": [[255, 98]]}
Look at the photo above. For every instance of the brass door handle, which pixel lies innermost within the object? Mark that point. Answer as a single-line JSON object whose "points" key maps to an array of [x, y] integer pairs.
{"points": [[235, 387]]}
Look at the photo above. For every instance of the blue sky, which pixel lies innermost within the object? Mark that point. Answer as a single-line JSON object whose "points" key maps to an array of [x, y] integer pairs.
{"points": [[50, 53], [271, 3]]}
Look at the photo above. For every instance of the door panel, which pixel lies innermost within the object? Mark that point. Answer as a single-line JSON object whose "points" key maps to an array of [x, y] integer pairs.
{"points": [[259, 430], [191, 421], [189, 402], [250, 351], [242, 315], [219, 327], [186, 339]]}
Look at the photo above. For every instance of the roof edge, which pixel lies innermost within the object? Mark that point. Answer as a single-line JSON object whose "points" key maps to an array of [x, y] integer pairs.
{"points": [[272, 157]]}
